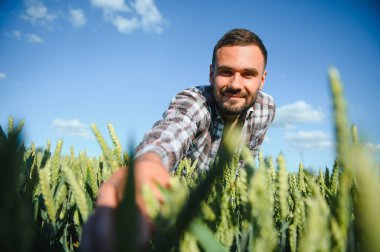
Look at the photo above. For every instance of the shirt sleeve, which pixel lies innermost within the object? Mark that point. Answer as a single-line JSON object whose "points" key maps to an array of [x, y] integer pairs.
{"points": [[255, 147], [170, 137]]}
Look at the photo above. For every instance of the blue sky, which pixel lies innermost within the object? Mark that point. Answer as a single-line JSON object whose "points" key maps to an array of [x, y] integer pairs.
{"points": [[67, 64]]}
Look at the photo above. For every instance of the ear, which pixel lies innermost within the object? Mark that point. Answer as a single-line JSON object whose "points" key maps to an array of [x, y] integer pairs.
{"points": [[211, 76], [262, 82]]}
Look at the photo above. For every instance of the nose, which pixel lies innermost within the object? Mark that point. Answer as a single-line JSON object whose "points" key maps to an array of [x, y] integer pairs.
{"points": [[235, 81]]}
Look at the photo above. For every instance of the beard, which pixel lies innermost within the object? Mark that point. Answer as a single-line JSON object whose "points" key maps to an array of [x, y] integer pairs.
{"points": [[229, 106]]}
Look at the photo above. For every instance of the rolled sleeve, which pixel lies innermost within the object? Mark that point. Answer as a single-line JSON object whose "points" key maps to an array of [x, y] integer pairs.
{"points": [[171, 137]]}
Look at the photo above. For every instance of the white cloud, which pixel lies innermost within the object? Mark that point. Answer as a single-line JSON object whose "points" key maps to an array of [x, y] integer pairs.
{"points": [[125, 25], [30, 37], [373, 147], [77, 18], [14, 34], [128, 18], [151, 18], [296, 113], [34, 39], [72, 127], [306, 140], [3, 76], [37, 13], [111, 5]]}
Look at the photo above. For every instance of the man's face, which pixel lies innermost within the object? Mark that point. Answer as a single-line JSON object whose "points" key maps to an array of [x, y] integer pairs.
{"points": [[236, 76]]}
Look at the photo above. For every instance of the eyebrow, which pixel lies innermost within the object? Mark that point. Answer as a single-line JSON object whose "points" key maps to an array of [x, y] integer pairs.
{"points": [[250, 70]]}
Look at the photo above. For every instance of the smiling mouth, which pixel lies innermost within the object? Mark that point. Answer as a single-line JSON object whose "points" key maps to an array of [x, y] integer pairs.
{"points": [[233, 96]]}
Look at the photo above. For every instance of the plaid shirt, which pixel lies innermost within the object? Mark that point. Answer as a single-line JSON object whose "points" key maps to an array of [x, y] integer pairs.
{"points": [[192, 127]]}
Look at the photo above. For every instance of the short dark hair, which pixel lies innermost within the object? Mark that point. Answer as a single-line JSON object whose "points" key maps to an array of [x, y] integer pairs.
{"points": [[240, 37]]}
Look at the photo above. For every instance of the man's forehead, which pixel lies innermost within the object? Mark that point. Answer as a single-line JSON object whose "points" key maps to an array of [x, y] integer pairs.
{"points": [[247, 57], [240, 50]]}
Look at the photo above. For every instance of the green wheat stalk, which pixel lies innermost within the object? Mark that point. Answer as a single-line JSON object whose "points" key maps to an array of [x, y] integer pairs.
{"points": [[79, 195], [117, 146], [55, 163], [111, 163], [44, 176]]}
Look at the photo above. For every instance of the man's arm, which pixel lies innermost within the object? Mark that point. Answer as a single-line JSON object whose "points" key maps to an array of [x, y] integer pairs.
{"points": [[99, 231], [171, 137], [159, 152], [162, 148]]}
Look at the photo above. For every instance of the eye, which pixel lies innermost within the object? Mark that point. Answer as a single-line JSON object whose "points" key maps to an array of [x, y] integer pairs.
{"points": [[225, 72], [249, 75]]}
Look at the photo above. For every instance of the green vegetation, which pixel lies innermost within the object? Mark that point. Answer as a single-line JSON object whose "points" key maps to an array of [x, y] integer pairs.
{"points": [[46, 198]]}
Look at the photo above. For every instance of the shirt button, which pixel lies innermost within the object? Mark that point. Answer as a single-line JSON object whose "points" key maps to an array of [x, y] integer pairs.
{"points": [[253, 144]]}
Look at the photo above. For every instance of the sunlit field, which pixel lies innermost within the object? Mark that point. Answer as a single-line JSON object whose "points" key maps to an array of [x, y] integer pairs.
{"points": [[47, 197]]}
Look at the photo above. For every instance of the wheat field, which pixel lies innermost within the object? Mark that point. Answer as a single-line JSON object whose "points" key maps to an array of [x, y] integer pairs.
{"points": [[46, 197]]}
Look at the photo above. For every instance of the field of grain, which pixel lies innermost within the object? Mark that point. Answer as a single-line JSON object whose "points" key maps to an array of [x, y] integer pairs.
{"points": [[46, 198]]}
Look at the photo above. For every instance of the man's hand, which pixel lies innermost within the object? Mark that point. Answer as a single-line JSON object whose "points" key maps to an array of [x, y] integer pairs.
{"points": [[99, 232], [111, 191], [148, 170]]}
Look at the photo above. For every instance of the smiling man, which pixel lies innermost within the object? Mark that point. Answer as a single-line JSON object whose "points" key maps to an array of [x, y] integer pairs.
{"points": [[195, 125], [197, 118]]}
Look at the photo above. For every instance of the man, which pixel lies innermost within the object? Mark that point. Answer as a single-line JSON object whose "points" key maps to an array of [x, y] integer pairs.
{"points": [[198, 119]]}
